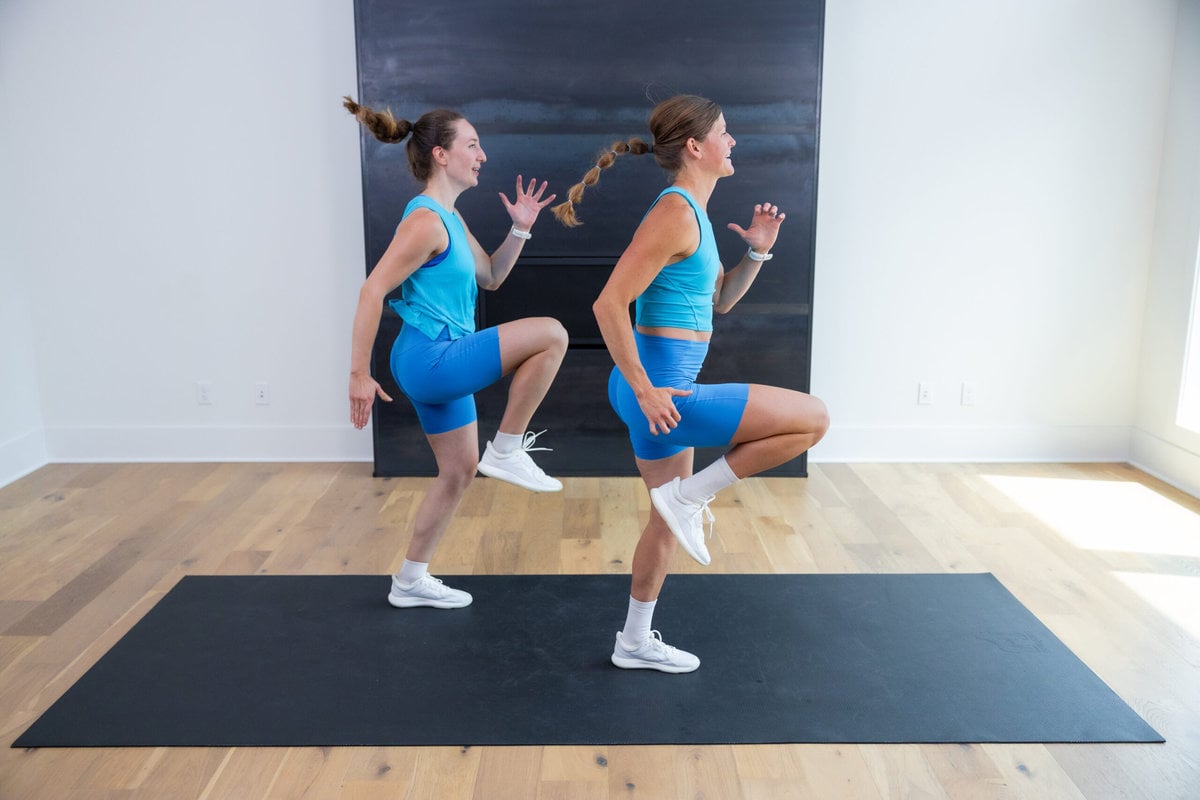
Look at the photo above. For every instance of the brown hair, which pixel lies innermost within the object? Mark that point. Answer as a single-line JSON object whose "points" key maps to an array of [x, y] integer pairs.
{"points": [[433, 129], [672, 122]]}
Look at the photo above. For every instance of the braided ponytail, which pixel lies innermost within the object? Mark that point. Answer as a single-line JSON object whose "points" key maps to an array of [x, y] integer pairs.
{"points": [[565, 211]]}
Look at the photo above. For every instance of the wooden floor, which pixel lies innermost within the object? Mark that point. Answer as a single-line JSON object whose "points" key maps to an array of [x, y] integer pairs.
{"points": [[1105, 556]]}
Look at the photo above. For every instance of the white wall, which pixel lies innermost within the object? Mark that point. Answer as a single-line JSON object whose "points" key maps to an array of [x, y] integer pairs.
{"points": [[186, 206], [987, 190], [22, 438], [1160, 445], [187, 191]]}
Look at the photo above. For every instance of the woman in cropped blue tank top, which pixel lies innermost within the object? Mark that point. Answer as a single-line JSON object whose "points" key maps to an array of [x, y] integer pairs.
{"points": [[439, 360], [671, 271]]}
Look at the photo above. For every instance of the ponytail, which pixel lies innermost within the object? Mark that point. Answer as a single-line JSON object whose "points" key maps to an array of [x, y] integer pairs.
{"points": [[565, 212], [672, 123], [434, 129], [381, 124]]}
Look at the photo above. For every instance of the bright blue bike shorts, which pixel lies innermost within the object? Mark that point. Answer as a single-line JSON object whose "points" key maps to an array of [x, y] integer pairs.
{"points": [[709, 416], [440, 376]]}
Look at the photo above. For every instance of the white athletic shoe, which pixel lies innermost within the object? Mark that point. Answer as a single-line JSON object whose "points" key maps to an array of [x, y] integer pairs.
{"points": [[686, 518], [517, 467], [653, 653], [427, 591]]}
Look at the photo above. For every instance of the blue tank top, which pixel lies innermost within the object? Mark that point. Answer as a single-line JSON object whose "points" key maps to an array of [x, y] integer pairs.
{"points": [[681, 294], [440, 295]]}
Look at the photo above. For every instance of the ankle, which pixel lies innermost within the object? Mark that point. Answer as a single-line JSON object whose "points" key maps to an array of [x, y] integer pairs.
{"points": [[506, 443]]}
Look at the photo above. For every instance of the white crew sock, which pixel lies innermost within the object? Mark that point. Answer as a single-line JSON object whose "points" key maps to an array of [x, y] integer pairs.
{"points": [[412, 571], [637, 622], [708, 481], [505, 443]]}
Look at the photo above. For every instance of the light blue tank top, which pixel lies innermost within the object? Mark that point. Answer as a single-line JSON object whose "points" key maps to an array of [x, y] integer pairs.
{"points": [[440, 295], [681, 295]]}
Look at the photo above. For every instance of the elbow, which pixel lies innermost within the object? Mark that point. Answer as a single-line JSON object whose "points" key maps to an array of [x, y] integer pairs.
{"points": [[487, 280], [369, 296], [602, 310]]}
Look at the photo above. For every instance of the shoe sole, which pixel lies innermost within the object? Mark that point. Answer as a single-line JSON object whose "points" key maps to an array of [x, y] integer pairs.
{"points": [[416, 602], [664, 511], [635, 663], [508, 477]]}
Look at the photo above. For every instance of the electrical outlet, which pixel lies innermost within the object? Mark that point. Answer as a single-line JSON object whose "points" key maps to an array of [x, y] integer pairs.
{"points": [[925, 393], [262, 393], [969, 390], [203, 393]]}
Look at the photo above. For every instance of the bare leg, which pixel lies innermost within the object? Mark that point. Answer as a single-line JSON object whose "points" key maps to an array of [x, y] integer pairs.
{"points": [[532, 350], [457, 453], [657, 546], [777, 425]]}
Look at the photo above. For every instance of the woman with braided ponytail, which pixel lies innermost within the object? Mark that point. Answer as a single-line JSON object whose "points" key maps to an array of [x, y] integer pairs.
{"points": [[439, 360], [671, 271]]}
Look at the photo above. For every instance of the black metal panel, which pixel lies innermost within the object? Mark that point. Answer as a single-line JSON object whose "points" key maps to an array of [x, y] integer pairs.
{"points": [[550, 85]]}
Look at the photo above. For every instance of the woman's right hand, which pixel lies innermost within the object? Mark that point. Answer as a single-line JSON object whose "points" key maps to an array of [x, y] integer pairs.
{"points": [[660, 411], [363, 390]]}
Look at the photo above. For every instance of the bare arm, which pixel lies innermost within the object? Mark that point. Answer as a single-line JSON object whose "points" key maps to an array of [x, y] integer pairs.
{"points": [[418, 238], [764, 229], [491, 271], [667, 234]]}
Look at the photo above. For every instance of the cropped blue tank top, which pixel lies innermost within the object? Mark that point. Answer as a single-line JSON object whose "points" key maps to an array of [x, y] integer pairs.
{"points": [[681, 295], [440, 295]]}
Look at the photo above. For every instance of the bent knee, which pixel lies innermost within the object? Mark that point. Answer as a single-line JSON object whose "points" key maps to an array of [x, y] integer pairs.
{"points": [[819, 416], [555, 334]]}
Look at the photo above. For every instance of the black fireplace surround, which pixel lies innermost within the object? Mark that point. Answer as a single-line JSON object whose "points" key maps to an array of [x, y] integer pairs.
{"points": [[549, 87]]}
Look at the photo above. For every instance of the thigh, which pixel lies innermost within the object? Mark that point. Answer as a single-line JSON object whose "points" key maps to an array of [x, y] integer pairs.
{"points": [[771, 411], [647, 446], [456, 450], [522, 339], [656, 472], [441, 371], [711, 414]]}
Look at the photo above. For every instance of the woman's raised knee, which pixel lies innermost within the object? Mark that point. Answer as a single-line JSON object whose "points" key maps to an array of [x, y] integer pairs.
{"points": [[816, 416], [554, 333]]}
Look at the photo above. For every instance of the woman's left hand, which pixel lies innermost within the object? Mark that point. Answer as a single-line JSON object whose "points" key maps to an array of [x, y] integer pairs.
{"points": [[764, 227], [525, 210]]}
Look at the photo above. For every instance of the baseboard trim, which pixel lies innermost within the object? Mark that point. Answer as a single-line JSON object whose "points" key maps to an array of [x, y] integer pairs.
{"points": [[22, 455], [232, 443], [1032, 443], [1166, 461]]}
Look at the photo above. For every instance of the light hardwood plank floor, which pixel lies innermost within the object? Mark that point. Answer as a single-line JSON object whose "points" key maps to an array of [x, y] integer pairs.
{"points": [[1107, 557]]}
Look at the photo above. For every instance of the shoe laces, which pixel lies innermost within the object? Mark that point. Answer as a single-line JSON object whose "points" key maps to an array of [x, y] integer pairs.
{"points": [[428, 580], [655, 642], [708, 520], [530, 438]]}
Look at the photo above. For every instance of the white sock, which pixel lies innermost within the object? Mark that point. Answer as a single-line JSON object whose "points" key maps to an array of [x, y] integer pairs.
{"points": [[637, 621], [505, 443], [708, 481], [412, 571]]}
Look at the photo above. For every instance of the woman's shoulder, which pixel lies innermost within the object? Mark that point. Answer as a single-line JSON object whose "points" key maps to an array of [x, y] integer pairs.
{"points": [[672, 202], [423, 224]]}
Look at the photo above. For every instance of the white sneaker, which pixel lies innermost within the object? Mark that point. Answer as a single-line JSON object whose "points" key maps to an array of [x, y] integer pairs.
{"points": [[685, 518], [517, 467], [653, 653], [427, 591]]}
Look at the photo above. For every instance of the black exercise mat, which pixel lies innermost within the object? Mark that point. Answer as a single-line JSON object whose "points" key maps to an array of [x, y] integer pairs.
{"points": [[324, 660]]}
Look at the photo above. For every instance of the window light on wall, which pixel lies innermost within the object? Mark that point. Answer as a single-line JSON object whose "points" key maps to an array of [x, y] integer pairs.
{"points": [[1188, 415]]}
